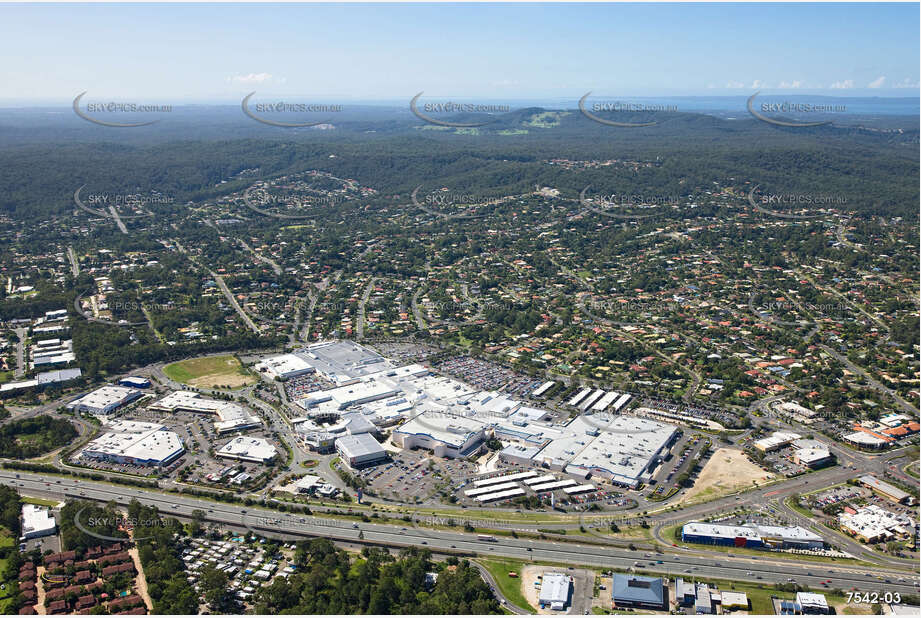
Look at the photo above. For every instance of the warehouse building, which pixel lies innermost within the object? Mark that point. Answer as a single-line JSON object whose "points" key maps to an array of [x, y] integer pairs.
{"points": [[733, 600], [137, 443], [638, 591], [231, 416], [46, 379], [37, 521], [245, 448], [134, 382], [754, 536], [813, 457], [360, 450], [284, 366], [104, 400], [800, 413], [812, 603], [776, 441], [555, 590]]}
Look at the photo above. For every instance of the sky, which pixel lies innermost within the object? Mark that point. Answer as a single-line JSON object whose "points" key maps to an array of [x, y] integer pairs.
{"points": [[184, 53]]}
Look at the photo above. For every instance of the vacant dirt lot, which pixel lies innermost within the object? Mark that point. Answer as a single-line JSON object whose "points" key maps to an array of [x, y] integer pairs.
{"points": [[728, 470]]}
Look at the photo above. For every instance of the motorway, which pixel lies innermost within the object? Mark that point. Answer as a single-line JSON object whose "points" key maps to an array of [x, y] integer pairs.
{"points": [[288, 526]]}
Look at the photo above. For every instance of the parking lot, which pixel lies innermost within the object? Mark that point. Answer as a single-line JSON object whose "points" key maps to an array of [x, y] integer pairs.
{"points": [[405, 353], [720, 415], [679, 460], [414, 476], [301, 386], [838, 495], [488, 376], [781, 462]]}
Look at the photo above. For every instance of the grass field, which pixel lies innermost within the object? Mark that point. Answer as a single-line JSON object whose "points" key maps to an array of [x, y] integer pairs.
{"points": [[39, 501], [210, 372], [510, 587]]}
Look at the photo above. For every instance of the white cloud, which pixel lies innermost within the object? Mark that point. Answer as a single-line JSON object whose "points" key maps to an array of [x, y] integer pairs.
{"points": [[792, 85], [734, 84], [758, 84], [847, 83], [255, 78], [878, 82], [906, 83]]}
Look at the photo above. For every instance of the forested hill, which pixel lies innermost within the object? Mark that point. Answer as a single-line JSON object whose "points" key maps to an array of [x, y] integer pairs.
{"points": [[195, 156]]}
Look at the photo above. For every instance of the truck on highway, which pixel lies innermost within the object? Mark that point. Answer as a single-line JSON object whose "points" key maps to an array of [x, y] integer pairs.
{"points": [[486, 537]]}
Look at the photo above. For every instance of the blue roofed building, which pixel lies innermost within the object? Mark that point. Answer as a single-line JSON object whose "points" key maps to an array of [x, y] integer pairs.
{"points": [[134, 382], [637, 591], [685, 592]]}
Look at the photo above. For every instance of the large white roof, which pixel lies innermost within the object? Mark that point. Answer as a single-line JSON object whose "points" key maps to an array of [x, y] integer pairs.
{"points": [[554, 588], [137, 440], [104, 396], [249, 449]]}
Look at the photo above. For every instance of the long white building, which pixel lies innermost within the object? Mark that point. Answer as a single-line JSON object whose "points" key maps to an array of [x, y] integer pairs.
{"points": [[104, 400], [231, 416], [134, 442]]}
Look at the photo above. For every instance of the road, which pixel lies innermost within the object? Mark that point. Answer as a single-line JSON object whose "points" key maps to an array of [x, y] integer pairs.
{"points": [[262, 258], [360, 327], [290, 526], [118, 220], [21, 334], [74, 263]]}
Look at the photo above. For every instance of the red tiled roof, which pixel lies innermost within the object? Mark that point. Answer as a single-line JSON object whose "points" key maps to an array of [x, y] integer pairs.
{"points": [[117, 568]]}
